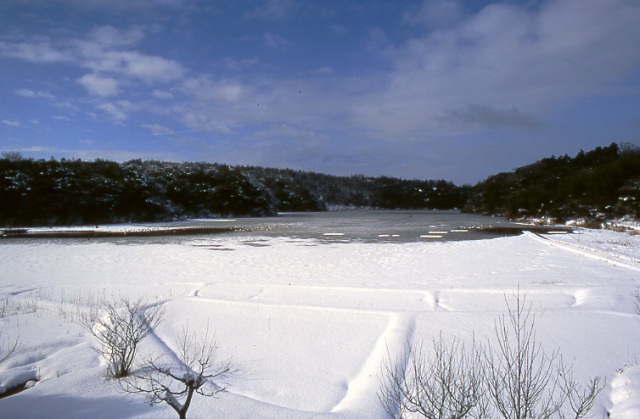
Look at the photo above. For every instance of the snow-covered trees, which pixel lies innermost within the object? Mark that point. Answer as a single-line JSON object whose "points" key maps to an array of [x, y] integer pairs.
{"points": [[604, 182], [51, 192], [599, 184]]}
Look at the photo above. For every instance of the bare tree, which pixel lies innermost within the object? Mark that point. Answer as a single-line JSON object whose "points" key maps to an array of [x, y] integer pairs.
{"points": [[526, 382], [447, 384], [120, 330], [194, 371], [11, 156]]}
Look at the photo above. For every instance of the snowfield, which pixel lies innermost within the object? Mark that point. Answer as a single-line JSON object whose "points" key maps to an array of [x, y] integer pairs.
{"points": [[307, 322]]}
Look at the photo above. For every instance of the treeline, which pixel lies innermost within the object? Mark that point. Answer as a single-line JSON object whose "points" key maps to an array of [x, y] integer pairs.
{"points": [[293, 190], [73, 192], [600, 184], [597, 185], [52, 192]]}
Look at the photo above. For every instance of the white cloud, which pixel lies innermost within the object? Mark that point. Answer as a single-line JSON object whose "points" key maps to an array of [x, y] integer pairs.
{"points": [[99, 86], [103, 51], [152, 69], [508, 66], [203, 120], [38, 50], [324, 70], [118, 110], [162, 94], [234, 64], [275, 41], [435, 13], [504, 66], [207, 89], [272, 10], [108, 36], [11, 122], [146, 68], [157, 129], [285, 130], [34, 94]]}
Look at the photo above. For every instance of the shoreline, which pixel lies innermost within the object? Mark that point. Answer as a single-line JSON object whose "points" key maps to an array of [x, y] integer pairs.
{"points": [[102, 233], [149, 230]]}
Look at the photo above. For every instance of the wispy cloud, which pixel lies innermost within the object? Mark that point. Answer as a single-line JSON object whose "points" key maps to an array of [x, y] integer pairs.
{"points": [[451, 73], [273, 40], [486, 116], [504, 66], [272, 10], [109, 37], [435, 13], [118, 110], [34, 94], [208, 89], [105, 50], [11, 123], [99, 86], [146, 68], [36, 50], [157, 129], [162, 94]]}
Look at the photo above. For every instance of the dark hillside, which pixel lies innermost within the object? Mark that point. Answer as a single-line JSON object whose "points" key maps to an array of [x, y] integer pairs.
{"points": [[73, 192], [600, 184], [51, 192]]}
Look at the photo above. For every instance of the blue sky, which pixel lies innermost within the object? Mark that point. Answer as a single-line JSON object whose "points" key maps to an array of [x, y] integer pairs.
{"points": [[435, 89]]}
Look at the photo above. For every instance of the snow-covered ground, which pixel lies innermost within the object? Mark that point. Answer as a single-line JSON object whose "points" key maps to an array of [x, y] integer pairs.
{"points": [[307, 323]]}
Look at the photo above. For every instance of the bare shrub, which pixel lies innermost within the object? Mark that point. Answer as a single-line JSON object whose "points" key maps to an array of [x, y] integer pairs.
{"points": [[520, 375], [195, 370], [526, 382], [446, 384], [581, 398], [120, 330], [514, 378], [7, 350]]}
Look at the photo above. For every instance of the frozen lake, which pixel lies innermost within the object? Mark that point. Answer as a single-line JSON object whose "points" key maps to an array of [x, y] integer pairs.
{"points": [[327, 227], [371, 226], [338, 226]]}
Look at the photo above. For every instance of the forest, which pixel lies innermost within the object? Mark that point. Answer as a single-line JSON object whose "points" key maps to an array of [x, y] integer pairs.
{"points": [[599, 184]]}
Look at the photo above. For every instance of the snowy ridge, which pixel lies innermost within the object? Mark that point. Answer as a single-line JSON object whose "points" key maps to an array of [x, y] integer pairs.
{"points": [[362, 389], [591, 252]]}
